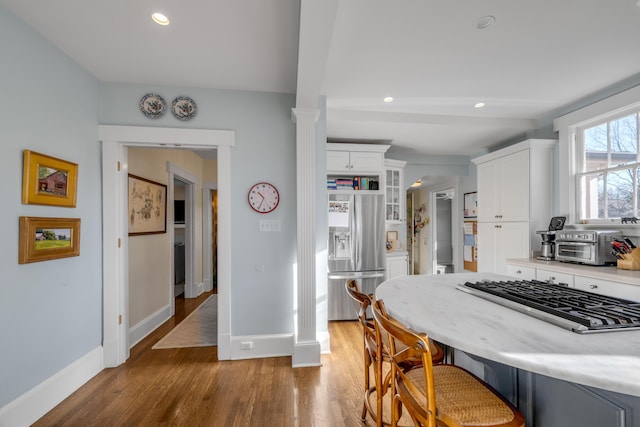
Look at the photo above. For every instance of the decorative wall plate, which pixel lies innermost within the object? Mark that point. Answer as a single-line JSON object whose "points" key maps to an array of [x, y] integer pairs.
{"points": [[153, 105], [184, 108]]}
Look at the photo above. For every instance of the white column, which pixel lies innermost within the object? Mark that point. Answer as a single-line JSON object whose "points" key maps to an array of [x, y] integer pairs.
{"points": [[306, 349]]}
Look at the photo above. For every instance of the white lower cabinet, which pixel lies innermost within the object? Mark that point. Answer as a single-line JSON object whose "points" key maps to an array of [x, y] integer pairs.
{"points": [[397, 266], [554, 277], [498, 241], [605, 287], [522, 273]]}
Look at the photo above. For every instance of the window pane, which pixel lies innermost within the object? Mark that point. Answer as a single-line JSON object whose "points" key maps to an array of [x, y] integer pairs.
{"points": [[592, 196], [624, 140], [620, 194], [595, 148]]}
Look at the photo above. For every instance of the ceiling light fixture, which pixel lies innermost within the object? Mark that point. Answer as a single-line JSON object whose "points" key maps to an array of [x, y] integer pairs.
{"points": [[160, 19], [388, 99], [485, 22], [418, 183], [479, 105]]}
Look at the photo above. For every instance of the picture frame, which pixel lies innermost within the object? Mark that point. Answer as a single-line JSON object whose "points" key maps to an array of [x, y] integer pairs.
{"points": [[471, 205], [44, 239], [147, 206], [48, 180]]}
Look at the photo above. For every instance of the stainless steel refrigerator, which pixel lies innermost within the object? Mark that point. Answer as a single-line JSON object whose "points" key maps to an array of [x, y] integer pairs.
{"points": [[356, 249]]}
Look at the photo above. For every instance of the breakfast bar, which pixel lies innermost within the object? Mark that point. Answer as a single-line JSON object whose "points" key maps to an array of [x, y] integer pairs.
{"points": [[598, 372]]}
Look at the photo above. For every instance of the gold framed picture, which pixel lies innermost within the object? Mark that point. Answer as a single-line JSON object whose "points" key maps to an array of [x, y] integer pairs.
{"points": [[43, 239], [147, 206], [47, 180]]}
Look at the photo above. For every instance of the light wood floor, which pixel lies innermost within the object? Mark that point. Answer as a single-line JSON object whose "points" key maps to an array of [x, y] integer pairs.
{"points": [[190, 387]]}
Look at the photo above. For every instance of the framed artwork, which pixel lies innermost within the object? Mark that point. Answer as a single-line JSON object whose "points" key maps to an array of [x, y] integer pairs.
{"points": [[147, 206], [43, 239], [471, 205], [47, 180]]}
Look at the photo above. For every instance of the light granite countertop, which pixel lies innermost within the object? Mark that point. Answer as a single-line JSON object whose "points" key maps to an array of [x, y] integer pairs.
{"points": [[432, 304], [613, 274]]}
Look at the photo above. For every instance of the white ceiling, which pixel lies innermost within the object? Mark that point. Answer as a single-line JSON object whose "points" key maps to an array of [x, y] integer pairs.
{"points": [[538, 57]]}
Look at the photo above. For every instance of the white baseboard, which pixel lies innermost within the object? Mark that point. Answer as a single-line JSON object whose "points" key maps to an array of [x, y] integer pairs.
{"points": [[199, 288], [143, 328], [32, 405], [325, 342], [306, 354], [261, 346]]}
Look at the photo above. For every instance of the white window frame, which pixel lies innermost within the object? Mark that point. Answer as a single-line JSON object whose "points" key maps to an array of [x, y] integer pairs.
{"points": [[579, 152], [568, 127]]}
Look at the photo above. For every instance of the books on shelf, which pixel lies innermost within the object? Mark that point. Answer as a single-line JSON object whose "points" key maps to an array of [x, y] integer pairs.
{"points": [[354, 183]]}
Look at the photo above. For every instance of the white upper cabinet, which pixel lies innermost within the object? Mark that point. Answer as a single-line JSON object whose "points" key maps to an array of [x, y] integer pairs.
{"points": [[355, 167], [395, 194], [355, 158], [514, 201], [503, 188]]}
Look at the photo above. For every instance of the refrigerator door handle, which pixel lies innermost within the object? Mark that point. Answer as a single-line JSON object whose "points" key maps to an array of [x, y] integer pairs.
{"points": [[356, 275]]}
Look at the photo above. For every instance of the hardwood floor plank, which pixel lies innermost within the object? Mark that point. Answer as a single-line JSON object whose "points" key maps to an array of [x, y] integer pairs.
{"points": [[190, 387]]}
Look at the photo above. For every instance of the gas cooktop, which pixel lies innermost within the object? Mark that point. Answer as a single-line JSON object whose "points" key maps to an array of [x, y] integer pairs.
{"points": [[574, 309]]}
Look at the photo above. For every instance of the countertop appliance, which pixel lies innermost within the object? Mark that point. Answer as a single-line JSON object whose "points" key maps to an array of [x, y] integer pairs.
{"points": [[356, 249], [591, 247], [547, 252], [574, 309]]}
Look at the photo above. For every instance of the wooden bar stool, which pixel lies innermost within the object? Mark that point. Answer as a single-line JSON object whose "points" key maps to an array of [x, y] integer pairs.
{"points": [[440, 395], [374, 357]]}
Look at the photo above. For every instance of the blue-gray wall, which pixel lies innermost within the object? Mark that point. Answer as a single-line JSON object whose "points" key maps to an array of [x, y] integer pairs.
{"points": [[262, 263], [50, 311]]}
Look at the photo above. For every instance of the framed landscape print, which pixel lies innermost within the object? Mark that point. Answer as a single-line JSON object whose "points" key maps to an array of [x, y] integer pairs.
{"points": [[47, 180], [147, 208], [43, 239]]}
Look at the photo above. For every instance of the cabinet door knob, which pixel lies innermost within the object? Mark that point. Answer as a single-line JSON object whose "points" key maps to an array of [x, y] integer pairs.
{"points": [[518, 271], [593, 286]]}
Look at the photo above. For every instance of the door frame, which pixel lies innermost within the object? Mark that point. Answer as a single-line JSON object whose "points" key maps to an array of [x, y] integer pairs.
{"points": [[207, 228], [190, 181], [115, 140], [443, 185]]}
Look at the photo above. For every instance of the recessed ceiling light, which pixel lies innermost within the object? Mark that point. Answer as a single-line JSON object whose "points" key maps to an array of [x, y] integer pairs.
{"points": [[160, 19], [485, 22], [479, 105], [388, 99]]}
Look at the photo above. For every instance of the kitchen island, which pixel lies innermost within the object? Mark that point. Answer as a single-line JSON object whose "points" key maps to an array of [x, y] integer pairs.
{"points": [[541, 359]]}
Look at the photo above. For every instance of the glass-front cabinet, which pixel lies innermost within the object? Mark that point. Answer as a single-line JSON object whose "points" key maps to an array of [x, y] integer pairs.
{"points": [[394, 191]]}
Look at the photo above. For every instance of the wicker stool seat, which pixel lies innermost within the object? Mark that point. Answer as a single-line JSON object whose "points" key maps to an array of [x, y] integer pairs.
{"points": [[436, 395], [461, 399]]}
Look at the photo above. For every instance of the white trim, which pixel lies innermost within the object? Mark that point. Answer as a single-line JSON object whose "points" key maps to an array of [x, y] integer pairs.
{"points": [[340, 146], [224, 253], [456, 225], [566, 126], [207, 221], [140, 330], [175, 137], [608, 106], [115, 140], [191, 181], [35, 403], [184, 174], [262, 346]]}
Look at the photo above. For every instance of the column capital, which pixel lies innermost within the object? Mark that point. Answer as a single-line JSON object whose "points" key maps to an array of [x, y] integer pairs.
{"points": [[305, 114]]}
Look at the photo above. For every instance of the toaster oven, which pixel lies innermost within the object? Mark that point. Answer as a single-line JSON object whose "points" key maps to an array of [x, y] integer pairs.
{"points": [[592, 247]]}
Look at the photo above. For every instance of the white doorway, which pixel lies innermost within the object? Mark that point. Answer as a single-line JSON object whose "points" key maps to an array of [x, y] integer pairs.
{"points": [[445, 238], [443, 248], [115, 141]]}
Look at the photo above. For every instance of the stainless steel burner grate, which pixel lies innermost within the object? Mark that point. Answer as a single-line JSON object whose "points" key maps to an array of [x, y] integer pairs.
{"points": [[574, 309]]}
